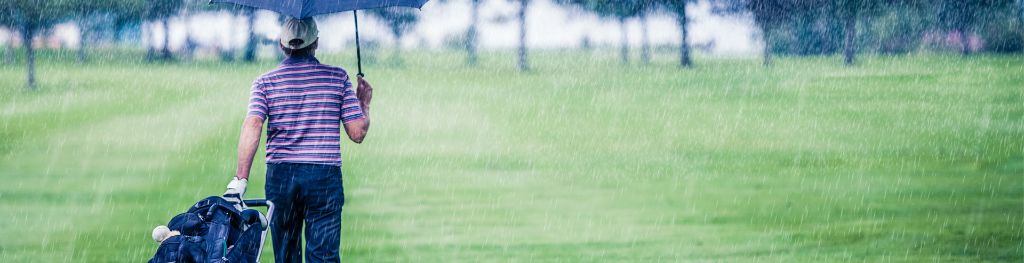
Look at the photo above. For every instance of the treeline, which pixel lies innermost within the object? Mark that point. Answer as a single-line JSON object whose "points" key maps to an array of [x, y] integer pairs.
{"points": [[825, 27], [115, 21], [821, 27], [134, 20], [787, 27]]}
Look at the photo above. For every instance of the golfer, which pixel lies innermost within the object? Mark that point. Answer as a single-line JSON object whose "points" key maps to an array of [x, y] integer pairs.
{"points": [[304, 104]]}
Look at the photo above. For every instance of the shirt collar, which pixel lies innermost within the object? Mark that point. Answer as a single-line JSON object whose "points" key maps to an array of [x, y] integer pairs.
{"points": [[300, 60]]}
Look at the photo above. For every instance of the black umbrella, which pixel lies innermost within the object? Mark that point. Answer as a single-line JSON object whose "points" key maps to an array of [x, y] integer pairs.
{"points": [[308, 8]]}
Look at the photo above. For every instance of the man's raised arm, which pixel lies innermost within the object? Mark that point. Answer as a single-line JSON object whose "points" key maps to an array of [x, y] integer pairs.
{"points": [[357, 129]]}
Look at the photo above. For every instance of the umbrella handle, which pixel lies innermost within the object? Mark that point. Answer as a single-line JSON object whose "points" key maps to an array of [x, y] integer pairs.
{"points": [[359, 57]]}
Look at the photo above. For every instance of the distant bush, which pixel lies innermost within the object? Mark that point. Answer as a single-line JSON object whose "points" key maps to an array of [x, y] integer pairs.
{"points": [[903, 28], [1004, 33], [809, 32], [895, 31]]}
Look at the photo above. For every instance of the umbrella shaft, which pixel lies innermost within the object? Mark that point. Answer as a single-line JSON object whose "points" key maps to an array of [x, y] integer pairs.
{"points": [[359, 58]]}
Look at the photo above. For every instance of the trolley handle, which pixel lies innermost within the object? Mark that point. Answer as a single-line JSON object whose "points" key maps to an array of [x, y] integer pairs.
{"points": [[261, 202], [257, 202]]}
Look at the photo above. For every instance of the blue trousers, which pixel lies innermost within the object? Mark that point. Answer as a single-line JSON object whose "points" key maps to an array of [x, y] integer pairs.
{"points": [[310, 194]]}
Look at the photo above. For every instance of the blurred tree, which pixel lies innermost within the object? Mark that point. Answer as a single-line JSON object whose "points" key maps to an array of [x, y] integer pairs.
{"points": [[249, 55], [9, 47], [621, 10], [645, 40], [678, 7], [521, 15], [470, 40], [1003, 30], [400, 20], [188, 12], [126, 13], [161, 11], [226, 53], [90, 16], [898, 27], [473, 34], [85, 17], [850, 11], [1020, 10], [768, 16], [31, 17], [814, 28], [965, 16]]}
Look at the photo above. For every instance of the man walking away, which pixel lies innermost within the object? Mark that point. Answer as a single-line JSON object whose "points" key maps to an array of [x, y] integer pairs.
{"points": [[304, 103]]}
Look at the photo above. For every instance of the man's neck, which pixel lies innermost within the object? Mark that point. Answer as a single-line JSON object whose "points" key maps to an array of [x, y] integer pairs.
{"points": [[300, 59]]}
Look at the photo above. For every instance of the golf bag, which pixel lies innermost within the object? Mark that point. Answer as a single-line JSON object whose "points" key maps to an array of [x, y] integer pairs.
{"points": [[215, 230]]}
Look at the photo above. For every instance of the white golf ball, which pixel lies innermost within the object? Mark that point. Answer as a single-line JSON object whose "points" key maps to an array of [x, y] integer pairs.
{"points": [[160, 232]]}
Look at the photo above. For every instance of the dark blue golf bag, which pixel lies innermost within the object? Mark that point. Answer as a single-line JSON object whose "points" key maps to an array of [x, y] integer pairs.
{"points": [[215, 230]]}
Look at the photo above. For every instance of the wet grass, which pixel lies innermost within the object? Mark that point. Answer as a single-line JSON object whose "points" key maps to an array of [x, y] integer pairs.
{"points": [[898, 159]]}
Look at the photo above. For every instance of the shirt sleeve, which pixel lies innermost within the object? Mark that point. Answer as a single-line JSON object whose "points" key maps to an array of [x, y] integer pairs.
{"points": [[258, 101], [350, 109]]}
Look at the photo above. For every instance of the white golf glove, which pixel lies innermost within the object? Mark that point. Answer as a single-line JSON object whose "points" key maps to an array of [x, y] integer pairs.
{"points": [[236, 188]]}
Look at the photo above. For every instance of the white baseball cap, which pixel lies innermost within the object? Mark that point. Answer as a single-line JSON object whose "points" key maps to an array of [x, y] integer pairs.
{"points": [[298, 33]]}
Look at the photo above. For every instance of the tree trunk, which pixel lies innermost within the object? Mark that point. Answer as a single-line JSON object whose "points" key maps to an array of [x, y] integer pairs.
{"points": [[471, 34], [965, 44], [166, 51], [227, 53], [250, 44], [190, 44], [9, 50], [523, 64], [119, 31], [645, 47], [28, 32], [82, 40], [151, 46], [849, 43], [624, 51], [396, 57], [766, 34], [684, 43]]}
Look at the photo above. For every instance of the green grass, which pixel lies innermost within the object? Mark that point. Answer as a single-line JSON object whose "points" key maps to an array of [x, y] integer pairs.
{"points": [[899, 159]]}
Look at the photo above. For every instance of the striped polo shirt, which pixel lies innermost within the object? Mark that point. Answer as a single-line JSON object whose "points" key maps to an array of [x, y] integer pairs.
{"points": [[304, 104]]}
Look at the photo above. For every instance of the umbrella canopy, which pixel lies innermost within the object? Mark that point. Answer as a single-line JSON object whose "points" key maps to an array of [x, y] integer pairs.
{"points": [[308, 8]]}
